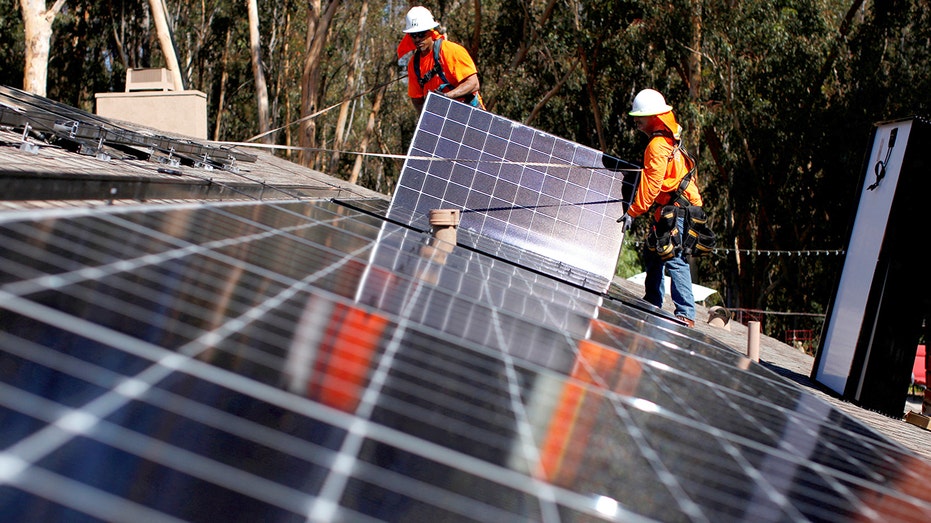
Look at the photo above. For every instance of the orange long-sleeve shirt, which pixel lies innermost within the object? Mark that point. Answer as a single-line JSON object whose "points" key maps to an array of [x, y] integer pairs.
{"points": [[664, 166]]}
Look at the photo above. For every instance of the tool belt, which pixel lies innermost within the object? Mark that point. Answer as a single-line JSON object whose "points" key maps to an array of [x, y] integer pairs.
{"points": [[665, 240]]}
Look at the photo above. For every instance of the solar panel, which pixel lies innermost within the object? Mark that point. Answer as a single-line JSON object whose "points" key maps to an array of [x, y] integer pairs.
{"points": [[309, 361], [518, 185], [90, 133]]}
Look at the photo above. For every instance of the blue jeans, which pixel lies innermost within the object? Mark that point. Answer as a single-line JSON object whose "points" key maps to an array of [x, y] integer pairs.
{"points": [[680, 282]]}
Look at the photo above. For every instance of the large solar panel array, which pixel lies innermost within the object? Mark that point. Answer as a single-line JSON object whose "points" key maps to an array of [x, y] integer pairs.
{"points": [[306, 361], [521, 186]]}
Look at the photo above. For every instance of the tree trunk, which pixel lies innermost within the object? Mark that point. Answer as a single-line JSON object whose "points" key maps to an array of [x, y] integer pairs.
{"points": [[369, 129], [477, 29], [258, 71], [694, 72], [164, 39], [694, 60], [350, 88], [224, 78], [37, 22], [551, 93], [318, 26], [286, 73], [590, 80]]}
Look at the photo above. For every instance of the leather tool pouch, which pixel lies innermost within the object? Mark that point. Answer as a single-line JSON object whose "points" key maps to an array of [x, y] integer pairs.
{"points": [[698, 238], [664, 238]]}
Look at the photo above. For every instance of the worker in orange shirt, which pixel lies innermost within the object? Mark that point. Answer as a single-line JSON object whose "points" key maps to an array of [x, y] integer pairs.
{"points": [[667, 187], [437, 64]]}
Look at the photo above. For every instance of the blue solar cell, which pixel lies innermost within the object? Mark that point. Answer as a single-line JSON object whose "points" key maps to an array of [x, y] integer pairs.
{"points": [[516, 153], [431, 122], [424, 144], [495, 146], [454, 131], [480, 121], [447, 148], [474, 139]]}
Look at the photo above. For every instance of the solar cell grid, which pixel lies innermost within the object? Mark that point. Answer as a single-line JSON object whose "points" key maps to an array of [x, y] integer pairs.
{"points": [[319, 361]]}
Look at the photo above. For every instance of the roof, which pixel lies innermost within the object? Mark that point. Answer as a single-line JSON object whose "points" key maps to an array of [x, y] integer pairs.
{"points": [[305, 354]]}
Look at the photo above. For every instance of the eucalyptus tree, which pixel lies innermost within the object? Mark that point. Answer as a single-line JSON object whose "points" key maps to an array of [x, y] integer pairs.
{"points": [[37, 24]]}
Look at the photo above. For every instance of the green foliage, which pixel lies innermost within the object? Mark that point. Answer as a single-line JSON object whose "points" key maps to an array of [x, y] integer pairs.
{"points": [[629, 261]]}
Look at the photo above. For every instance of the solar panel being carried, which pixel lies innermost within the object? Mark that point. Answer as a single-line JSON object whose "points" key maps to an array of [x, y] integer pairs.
{"points": [[523, 187], [298, 360]]}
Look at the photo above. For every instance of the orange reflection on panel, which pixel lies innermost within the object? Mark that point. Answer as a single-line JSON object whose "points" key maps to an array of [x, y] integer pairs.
{"points": [[597, 369], [345, 357], [913, 482]]}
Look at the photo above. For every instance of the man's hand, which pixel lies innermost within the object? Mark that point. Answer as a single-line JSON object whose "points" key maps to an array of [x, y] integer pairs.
{"points": [[626, 221]]}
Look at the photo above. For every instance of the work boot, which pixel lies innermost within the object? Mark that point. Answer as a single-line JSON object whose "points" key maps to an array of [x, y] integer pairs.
{"points": [[688, 322]]}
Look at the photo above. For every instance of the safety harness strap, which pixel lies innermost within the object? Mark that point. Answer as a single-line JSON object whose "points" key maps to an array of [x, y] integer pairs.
{"points": [[678, 197], [437, 67]]}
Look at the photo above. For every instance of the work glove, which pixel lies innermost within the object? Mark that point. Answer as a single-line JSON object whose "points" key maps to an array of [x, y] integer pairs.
{"points": [[625, 220]]}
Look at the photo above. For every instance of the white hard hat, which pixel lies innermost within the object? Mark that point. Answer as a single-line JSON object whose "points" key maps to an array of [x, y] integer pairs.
{"points": [[419, 19], [648, 103]]}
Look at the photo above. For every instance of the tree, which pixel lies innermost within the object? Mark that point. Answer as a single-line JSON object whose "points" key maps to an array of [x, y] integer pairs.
{"points": [[160, 17], [350, 86], [261, 89], [37, 22], [777, 99], [318, 28]]}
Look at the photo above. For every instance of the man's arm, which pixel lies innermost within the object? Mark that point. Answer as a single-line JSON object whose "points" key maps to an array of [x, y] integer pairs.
{"points": [[655, 160], [468, 86]]}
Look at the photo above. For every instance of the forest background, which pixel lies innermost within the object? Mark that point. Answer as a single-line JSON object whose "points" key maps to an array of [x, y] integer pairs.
{"points": [[777, 97]]}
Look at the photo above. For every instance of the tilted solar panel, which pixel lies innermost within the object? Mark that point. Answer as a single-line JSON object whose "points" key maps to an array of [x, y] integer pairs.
{"points": [[518, 185], [307, 361]]}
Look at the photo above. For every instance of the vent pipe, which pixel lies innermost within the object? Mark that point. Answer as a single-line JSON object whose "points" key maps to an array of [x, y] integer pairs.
{"points": [[444, 223], [753, 340]]}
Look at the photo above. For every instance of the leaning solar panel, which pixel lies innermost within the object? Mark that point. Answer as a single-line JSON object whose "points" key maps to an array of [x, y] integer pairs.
{"points": [[305, 361], [517, 185]]}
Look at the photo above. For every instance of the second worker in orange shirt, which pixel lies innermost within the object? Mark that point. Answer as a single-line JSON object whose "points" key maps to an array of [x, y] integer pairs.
{"points": [[437, 64]]}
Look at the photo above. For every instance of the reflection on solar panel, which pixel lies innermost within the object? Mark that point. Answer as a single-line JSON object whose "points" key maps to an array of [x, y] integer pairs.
{"points": [[518, 185], [302, 360]]}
